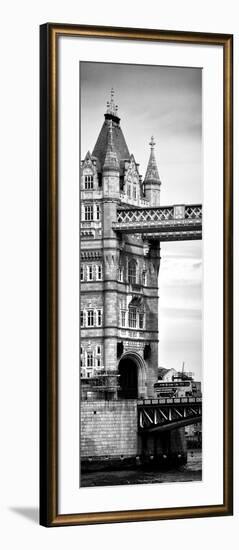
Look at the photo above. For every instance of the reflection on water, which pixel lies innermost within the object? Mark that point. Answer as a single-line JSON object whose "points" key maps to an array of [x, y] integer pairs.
{"points": [[192, 471]]}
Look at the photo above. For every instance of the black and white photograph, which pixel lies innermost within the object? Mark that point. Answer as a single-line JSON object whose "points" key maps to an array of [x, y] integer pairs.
{"points": [[140, 274]]}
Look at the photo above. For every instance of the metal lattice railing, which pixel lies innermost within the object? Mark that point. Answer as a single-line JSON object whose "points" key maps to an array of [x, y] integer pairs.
{"points": [[178, 222], [159, 214]]}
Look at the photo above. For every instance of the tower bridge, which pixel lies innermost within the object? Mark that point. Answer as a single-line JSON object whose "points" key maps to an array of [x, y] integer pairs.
{"points": [[122, 226]]}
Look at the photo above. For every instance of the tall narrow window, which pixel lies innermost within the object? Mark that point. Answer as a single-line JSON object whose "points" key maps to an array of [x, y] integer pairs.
{"points": [[121, 274], [132, 272], [132, 317], [123, 318], [129, 190], [89, 213], [81, 273], [82, 318], [141, 320], [88, 182], [97, 212], [89, 359], [90, 272], [144, 278], [99, 317], [134, 193], [90, 318], [99, 272]]}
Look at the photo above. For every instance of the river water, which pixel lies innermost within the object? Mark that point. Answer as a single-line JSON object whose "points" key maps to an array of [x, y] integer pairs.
{"points": [[192, 471]]}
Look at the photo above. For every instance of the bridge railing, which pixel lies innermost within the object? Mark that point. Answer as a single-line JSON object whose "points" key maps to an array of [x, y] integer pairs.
{"points": [[159, 214], [170, 401]]}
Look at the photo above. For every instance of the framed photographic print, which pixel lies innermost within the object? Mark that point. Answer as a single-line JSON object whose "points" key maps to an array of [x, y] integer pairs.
{"points": [[136, 275]]}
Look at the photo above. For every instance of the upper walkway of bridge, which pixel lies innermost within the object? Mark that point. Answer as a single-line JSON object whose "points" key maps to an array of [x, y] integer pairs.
{"points": [[164, 223]]}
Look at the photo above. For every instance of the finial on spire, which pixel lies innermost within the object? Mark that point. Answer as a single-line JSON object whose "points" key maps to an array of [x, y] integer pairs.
{"points": [[112, 109], [152, 142]]}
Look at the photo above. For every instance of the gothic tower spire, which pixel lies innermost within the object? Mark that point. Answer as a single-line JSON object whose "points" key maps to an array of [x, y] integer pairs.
{"points": [[110, 132], [152, 180]]}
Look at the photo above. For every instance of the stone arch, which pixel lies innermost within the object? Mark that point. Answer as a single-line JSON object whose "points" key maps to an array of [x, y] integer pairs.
{"points": [[132, 379]]}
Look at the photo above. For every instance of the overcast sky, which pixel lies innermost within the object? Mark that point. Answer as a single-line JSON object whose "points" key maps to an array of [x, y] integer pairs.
{"points": [[164, 102]]}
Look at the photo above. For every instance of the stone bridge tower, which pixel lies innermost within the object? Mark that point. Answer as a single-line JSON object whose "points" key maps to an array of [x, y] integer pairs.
{"points": [[119, 273]]}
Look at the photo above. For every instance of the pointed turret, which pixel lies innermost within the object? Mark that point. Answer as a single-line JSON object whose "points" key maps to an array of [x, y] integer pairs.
{"points": [[152, 181], [120, 146]]}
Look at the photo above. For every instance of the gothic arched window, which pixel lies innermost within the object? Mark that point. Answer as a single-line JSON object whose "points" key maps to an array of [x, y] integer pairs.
{"points": [[132, 272]]}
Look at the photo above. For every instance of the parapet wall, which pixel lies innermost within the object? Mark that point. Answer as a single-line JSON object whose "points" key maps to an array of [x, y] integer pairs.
{"points": [[108, 429]]}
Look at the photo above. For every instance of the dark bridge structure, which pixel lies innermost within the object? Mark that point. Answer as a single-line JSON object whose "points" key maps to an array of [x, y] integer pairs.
{"points": [[160, 415]]}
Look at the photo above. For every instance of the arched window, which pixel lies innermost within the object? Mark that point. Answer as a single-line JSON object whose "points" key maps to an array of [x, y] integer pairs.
{"points": [[132, 272]]}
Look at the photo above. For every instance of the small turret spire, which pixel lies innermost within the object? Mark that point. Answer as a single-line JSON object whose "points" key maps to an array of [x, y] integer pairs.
{"points": [[152, 181], [152, 175], [111, 159]]}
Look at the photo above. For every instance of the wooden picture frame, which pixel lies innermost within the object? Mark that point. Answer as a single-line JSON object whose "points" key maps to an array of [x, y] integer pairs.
{"points": [[49, 274]]}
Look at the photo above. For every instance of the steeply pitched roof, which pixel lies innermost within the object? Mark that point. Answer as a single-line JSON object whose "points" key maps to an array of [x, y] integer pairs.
{"points": [[120, 145]]}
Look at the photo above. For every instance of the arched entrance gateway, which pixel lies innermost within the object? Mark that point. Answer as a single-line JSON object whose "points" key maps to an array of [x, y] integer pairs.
{"points": [[132, 376]]}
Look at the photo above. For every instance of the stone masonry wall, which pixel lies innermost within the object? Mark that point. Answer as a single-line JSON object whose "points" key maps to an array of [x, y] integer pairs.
{"points": [[108, 428]]}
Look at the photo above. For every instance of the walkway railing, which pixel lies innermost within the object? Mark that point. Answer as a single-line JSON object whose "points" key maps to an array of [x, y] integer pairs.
{"points": [[178, 222]]}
